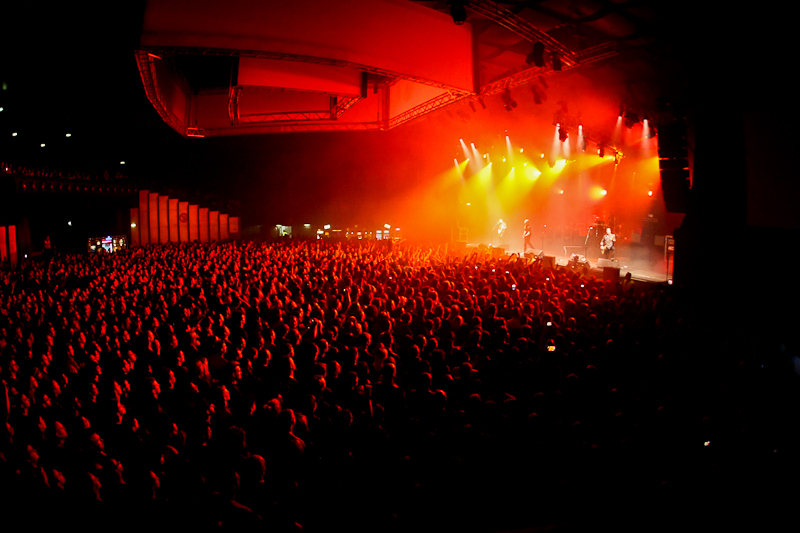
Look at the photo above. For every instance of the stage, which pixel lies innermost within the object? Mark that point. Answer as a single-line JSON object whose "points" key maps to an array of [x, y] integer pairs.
{"points": [[643, 263]]}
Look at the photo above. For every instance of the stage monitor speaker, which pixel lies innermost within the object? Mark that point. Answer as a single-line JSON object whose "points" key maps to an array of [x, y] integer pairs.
{"points": [[607, 263], [674, 165], [458, 247], [610, 274], [549, 261], [498, 251], [533, 254]]}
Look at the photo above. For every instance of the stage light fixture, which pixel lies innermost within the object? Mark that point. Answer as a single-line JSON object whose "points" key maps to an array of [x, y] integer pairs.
{"points": [[649, 193], [14, 134], [538, 94], [508, 102], [458, 11], [42, 145], [69, 135], [604, 192], [537, 55], [631, 118], [556, 61]]}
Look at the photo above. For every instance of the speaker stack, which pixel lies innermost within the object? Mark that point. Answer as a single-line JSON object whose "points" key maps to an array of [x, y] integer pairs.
{"points": [[673, 163]]}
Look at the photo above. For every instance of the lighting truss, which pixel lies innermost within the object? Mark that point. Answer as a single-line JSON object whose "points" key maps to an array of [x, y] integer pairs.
{"points": [[506, 18], [570, 123], [427, 107]]}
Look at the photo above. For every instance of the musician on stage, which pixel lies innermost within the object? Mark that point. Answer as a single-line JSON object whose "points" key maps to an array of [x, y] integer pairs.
{"points": [[526, 235], [607, 244], [500, 228]]}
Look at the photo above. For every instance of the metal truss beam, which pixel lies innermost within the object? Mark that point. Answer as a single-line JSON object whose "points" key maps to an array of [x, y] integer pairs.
{"points": [[286, 127], [427, 107], [343, 104], [234, 95], [589, 55], [167, 51], [570, 123], [146, 64], [292, 116], [506, 18]]}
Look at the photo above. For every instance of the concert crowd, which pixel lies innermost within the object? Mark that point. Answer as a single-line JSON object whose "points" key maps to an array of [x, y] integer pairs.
{"points": [[310, 386]]}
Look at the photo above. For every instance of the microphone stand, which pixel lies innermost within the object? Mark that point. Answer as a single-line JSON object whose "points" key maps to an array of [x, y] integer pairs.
{"points": [[586, 243], [543, 227]]}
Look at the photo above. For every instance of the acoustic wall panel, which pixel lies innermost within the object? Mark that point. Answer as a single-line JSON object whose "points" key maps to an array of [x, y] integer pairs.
{"points": [[152, 206], [3, 245], [223, 227], [172, 208], [203, 223], [163, 219], [134, 227], [183, 221], [144, 218], [194, 220], [213, 226], [12, 244]]}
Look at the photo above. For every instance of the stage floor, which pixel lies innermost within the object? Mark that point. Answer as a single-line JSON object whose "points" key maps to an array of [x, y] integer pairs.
{"points": [[650, 271]]}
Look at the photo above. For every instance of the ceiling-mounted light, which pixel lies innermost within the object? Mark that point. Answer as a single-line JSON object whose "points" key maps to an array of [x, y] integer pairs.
{"points": [[556, 61], [458, 11]]}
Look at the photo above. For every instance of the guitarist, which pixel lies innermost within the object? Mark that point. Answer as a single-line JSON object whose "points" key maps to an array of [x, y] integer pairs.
{"points": [[607, 247], [526, 235], [500, 228]]}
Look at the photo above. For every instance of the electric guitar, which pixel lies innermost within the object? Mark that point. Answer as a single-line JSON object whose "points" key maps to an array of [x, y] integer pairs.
{"points": [[603, 246], [501, 229]]}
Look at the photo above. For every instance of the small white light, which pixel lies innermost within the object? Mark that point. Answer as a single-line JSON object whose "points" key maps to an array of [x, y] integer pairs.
{"points": [[42, 145], [707, 443], [69, 135], [14, 134], [69, 223], [122, 162], [133, 224]]}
